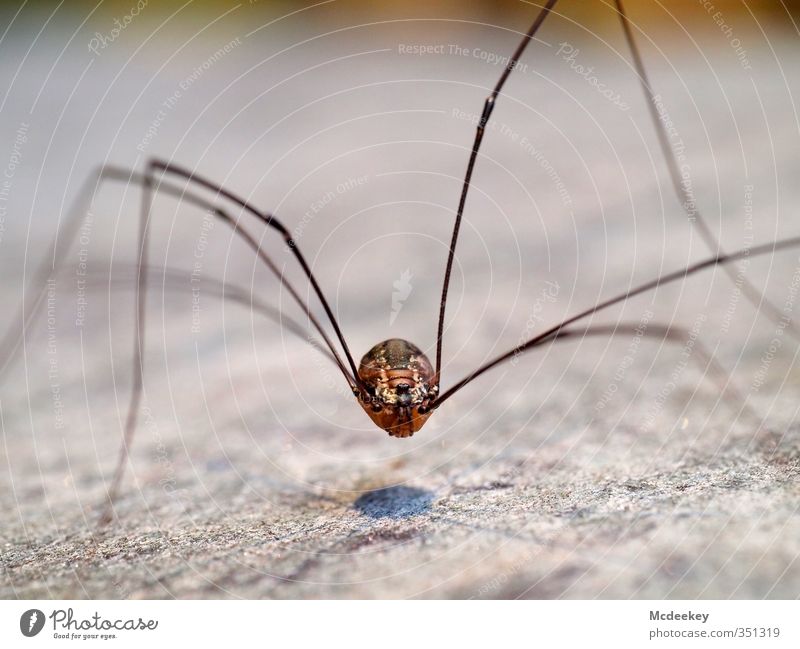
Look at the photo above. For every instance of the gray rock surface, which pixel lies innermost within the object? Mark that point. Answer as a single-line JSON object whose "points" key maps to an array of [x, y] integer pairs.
{"points": [[598, 468]]}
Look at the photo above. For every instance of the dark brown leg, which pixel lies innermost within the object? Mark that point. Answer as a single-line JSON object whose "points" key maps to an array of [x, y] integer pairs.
{"points": [[11, 340], [764, 249], [488, 107], [138, 370], [273, 222], [750, 292], [177, 280]]}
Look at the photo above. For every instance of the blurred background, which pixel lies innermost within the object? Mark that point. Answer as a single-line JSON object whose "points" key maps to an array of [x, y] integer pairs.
{"points": [[352, 121]]}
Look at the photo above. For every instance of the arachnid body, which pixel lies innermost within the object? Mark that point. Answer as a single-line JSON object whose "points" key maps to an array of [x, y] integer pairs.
{"points": [[399, 385]]}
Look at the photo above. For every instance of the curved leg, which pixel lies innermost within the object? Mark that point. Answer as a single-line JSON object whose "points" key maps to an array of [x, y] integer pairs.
{"points": [[271, 221], [10, 342], [488, 107], [781, 244], [672, 334], [748, 289], [12, 338], [138, 370], [176, 279]]}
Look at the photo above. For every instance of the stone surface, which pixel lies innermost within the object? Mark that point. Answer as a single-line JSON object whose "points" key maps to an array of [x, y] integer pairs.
{"points": [[596, 468]]}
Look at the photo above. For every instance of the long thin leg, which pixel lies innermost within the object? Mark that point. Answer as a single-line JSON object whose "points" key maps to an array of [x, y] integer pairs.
{"points": [[781, 244], [273, 222], [137, 386], [13, 337], [670, 333], [488, 107], [177, 280], [750, 292], [138, 370], [174, 278]]}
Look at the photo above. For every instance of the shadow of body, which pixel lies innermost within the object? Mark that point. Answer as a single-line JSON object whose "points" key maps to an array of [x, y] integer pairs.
{"points": [[394, 502]]}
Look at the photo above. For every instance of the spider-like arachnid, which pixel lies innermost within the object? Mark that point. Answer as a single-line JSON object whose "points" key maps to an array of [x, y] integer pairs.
{"points": [[395, 383]]}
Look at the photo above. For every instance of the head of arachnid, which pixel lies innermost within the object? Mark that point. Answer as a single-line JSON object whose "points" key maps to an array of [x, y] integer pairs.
{"points": [[398, 390]]}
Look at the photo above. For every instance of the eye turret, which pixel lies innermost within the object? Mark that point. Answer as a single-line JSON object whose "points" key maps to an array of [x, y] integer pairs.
{"points": [[404, 398]]}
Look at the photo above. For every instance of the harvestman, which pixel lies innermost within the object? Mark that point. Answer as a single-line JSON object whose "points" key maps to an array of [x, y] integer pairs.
{"points": [[395, 383]]}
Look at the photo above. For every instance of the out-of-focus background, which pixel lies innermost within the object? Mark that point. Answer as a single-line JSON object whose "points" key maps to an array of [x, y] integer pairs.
{"points": [[605, 467]]}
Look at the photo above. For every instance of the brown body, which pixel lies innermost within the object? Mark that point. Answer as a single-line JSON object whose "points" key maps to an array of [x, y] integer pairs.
{"points": [[399, 379]]}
